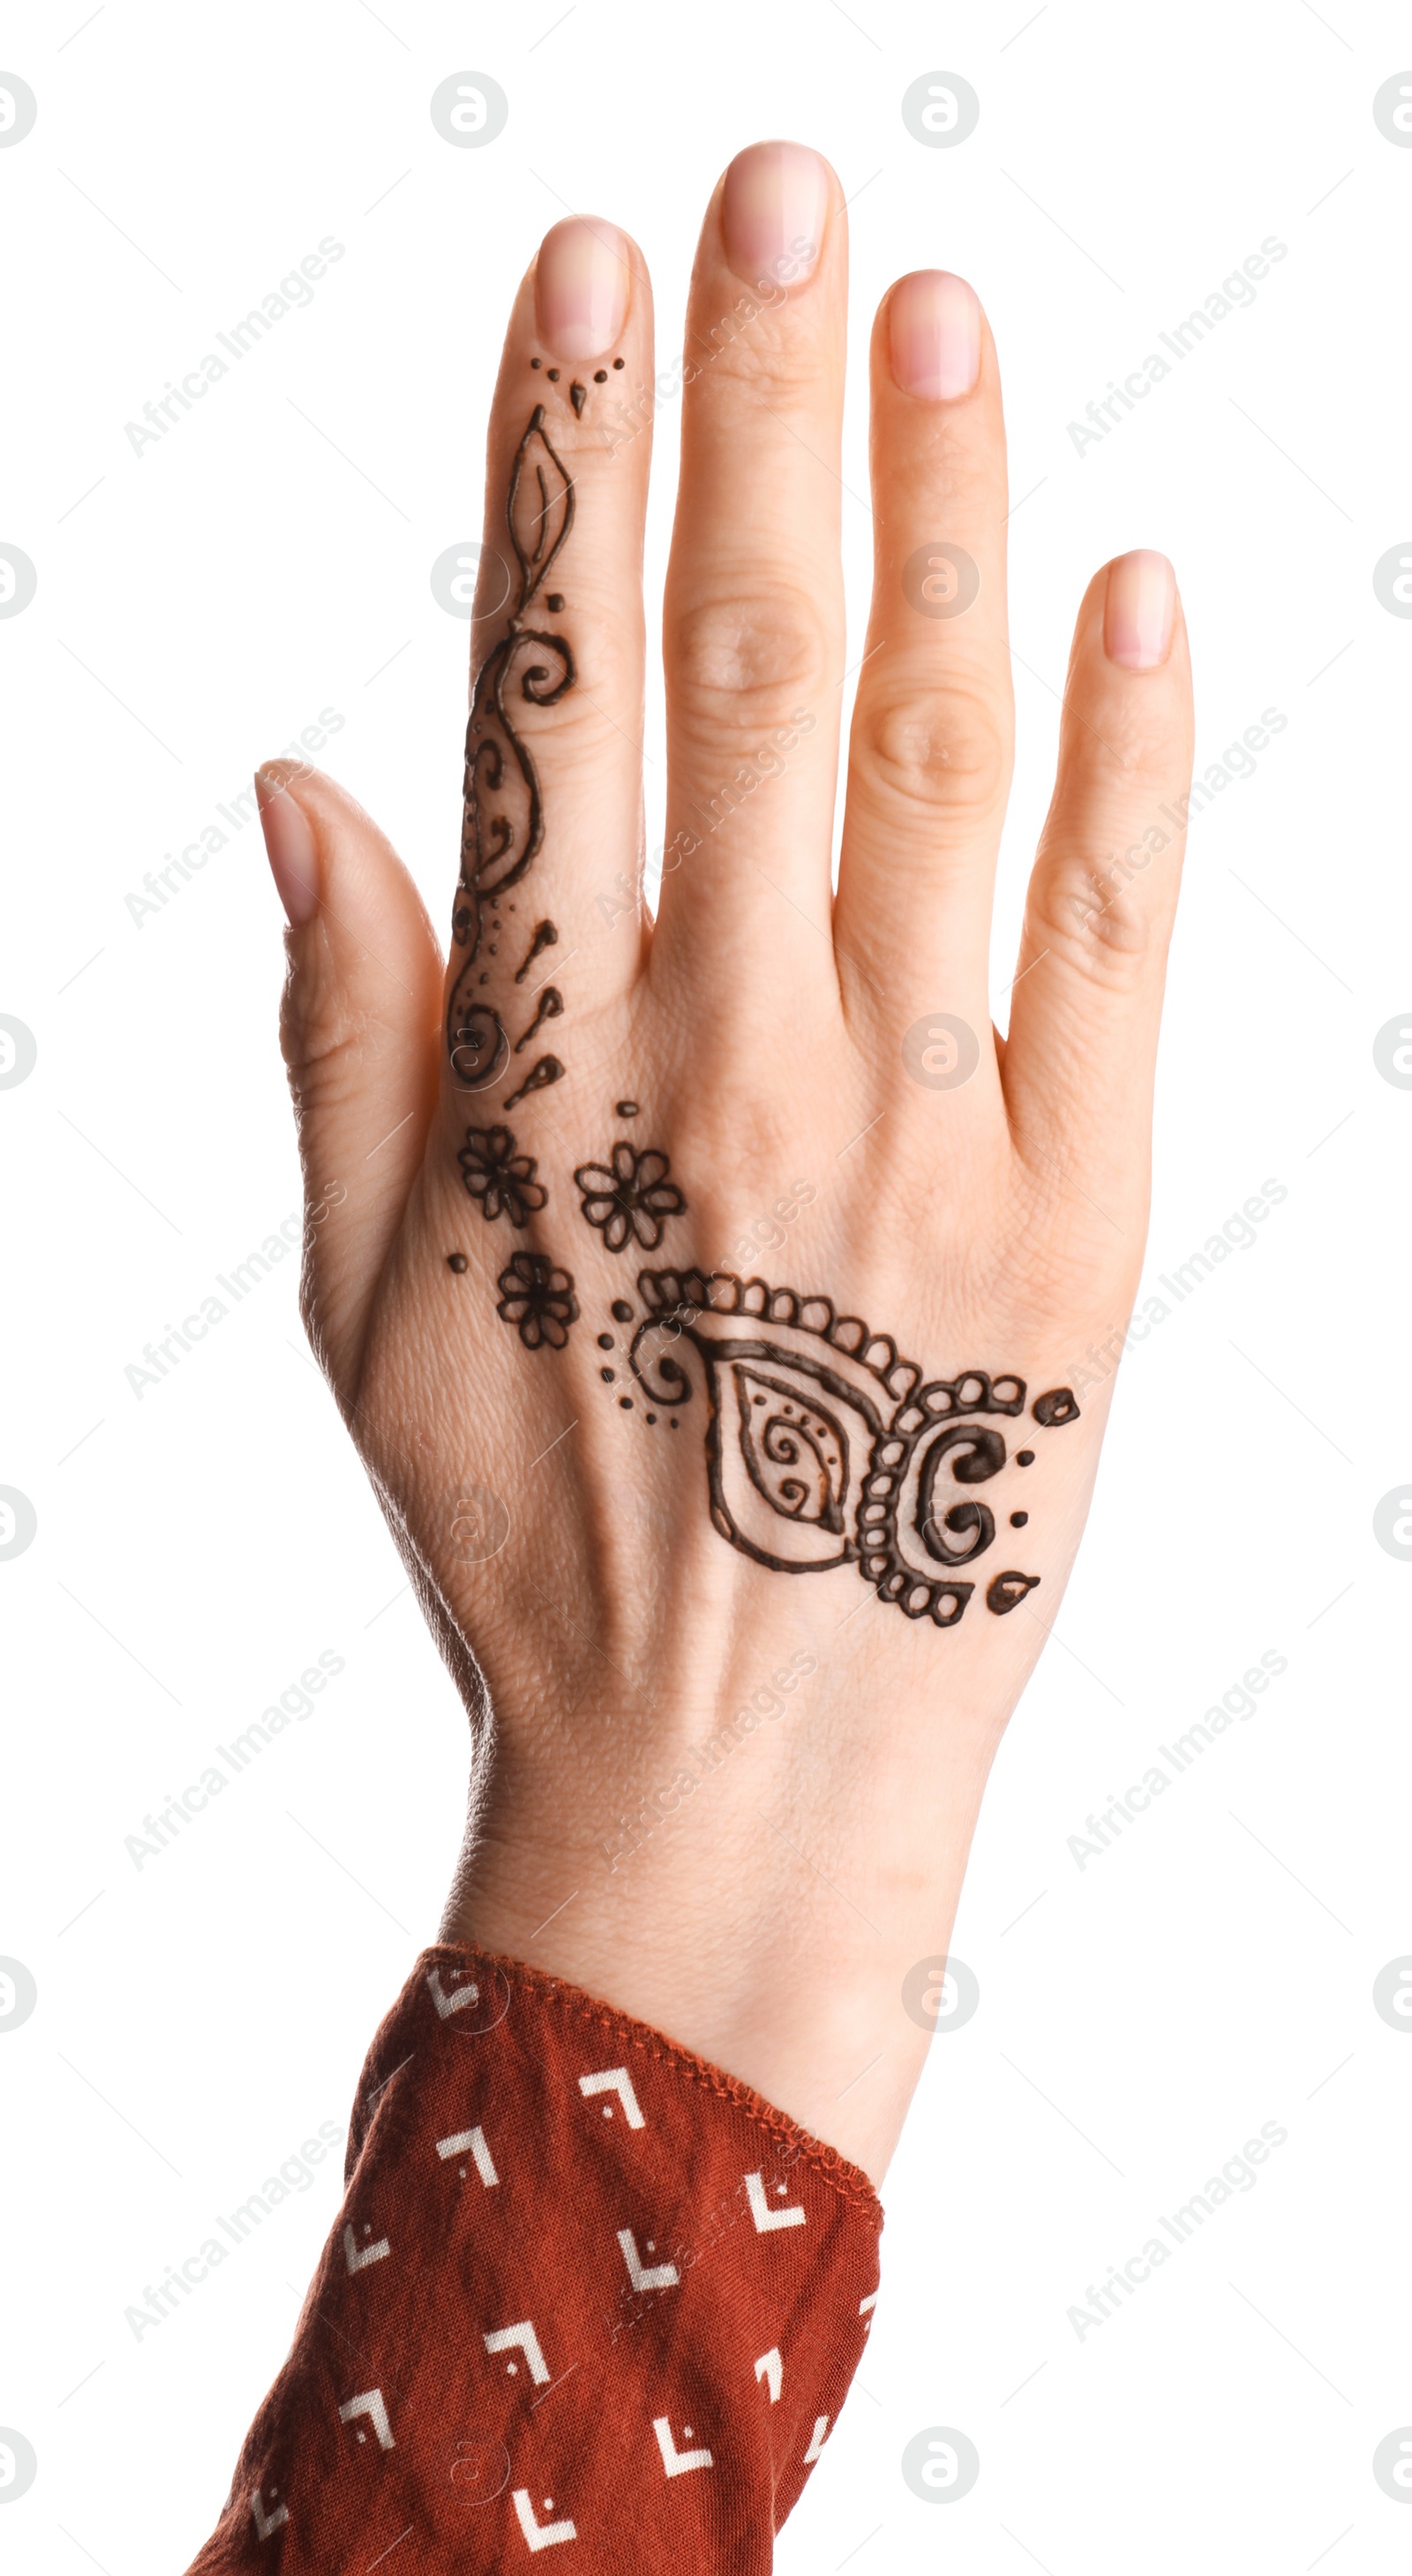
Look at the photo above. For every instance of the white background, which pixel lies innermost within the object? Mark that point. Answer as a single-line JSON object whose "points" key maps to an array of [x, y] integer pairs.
{"points": [[197, 606]]}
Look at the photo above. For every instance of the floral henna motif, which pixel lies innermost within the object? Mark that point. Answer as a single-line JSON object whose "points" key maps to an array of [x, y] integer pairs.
{"points": [[538, 1299], [500, 1179], [823, 1448], [631, 1199]]}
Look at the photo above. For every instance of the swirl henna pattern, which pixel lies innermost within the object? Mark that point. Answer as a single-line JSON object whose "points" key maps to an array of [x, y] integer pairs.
{"points": [[823, 1448], [503, 817]]}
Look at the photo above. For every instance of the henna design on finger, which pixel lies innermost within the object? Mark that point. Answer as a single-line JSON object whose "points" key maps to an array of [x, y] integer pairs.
{"points": [[539, 1077], [502, 1181], [551, 1004], [630, 1199], [503, 814], [538, 1299], [824, 1448], [480, 1049], [546, 935], [627, 1109]]}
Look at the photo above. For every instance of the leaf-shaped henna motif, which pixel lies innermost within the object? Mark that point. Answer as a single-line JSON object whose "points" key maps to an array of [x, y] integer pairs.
{"points": [[822, 1446]]}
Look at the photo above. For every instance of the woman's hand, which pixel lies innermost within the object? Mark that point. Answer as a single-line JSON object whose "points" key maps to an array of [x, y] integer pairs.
{"points": [[704, 1294]]}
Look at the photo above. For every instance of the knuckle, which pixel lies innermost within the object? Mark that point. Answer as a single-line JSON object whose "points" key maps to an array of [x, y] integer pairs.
{"points": [[759, 340], [945, 750], [1105, 913], [743, 661]]}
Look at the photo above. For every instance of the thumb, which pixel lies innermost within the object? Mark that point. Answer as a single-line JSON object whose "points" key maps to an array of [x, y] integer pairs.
{"points": [[359, 1027]]}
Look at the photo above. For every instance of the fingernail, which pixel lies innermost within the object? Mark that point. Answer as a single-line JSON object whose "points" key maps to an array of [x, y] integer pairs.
{"points": [[582, 281], [773, 212], [1140, 610], [934, 334], [289, 847]]}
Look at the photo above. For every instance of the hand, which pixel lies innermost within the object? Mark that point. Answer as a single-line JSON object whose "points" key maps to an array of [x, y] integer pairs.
{"points": [[739, 1592]]}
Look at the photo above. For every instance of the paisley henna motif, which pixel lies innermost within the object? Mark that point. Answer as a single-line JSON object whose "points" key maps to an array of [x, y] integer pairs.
{"points": [[824, 1448]]}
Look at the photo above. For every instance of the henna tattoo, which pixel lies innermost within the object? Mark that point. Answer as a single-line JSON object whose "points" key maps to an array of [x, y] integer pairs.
{"points": [[578, 396], [630, 1199], [503, 818], [538, 1299], [502, 1181], [1006, 1591], [551, 1004], [457, 1261], [628, 1109], [546, 935], [1057, 1406], [823, 1447], [480, 1049], [539, 1077]]}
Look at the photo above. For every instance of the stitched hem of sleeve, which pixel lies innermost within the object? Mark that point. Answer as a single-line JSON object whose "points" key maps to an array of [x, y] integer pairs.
{"points": [[848, 2180]]}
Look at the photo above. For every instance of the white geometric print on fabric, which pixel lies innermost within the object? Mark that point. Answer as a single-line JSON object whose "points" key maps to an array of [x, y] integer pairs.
{"points": [[765, 2218], [865, 2309], [370, 2254], [677, 2463], [614, 2079], [646, 2276], [820, 2429], [265, 2523], [470, 2142], [770, 2366], [540, 2535], [371, 2405], [521, 2338], [448, 2004]]}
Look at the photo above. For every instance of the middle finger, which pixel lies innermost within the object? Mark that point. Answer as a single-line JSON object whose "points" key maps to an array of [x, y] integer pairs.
{"points": [[753, 621]]}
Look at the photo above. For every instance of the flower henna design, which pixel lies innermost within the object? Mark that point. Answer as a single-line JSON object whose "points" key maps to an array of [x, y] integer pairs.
{"points": [[538, 1299], [630, 1199], [499, 1178], [823, 1448]]}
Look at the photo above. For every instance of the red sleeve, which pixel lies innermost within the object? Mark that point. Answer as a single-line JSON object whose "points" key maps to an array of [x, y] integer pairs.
{"points": [[585, 2293]]}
